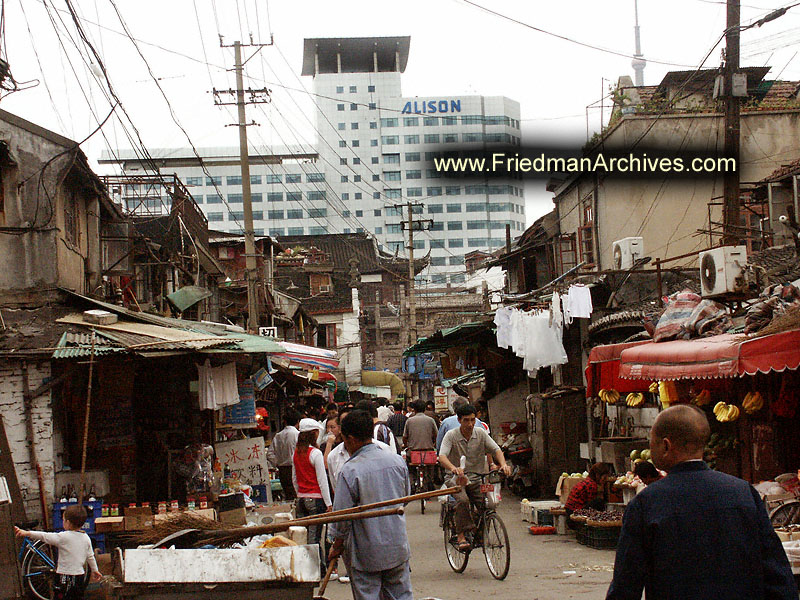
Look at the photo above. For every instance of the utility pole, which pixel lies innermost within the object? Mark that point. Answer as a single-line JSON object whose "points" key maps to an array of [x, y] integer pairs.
{"points": [[259, 96], [731, 194]]}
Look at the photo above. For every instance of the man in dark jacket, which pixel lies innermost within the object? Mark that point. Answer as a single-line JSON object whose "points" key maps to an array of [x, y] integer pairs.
{"points": [[697, 533]]}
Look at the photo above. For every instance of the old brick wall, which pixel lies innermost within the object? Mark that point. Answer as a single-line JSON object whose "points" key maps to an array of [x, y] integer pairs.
{"points": [[12, 411]]}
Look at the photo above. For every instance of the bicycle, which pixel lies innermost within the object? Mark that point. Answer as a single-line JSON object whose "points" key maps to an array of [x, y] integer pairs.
{"points": [[490, 533], [38, 562], [420, 464]]}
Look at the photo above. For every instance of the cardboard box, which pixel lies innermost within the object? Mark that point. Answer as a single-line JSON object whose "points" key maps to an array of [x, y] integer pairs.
{"points": [[236, 517], [138, 518], [567, 484], [109, 524], [208, 513]]}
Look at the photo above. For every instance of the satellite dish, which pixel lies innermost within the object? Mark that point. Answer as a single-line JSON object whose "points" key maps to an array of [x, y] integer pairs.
{"points": [[708, 272]]}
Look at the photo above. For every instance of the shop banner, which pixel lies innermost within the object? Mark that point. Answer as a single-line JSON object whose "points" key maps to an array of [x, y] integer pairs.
{"points": [[245, 458]]}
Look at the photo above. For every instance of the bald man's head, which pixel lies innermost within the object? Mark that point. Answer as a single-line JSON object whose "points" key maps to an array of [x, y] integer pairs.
{"points": [[686, 426]]}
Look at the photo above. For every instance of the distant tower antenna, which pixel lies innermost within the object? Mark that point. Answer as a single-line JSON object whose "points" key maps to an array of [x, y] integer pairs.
{"points": [[638, 63]]}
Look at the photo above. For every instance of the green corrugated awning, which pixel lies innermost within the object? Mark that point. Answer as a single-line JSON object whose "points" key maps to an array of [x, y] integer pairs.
{"points": [[447, 338], [188, 296], [249, 344]]}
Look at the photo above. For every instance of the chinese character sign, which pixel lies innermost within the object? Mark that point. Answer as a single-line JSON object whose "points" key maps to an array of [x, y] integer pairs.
{"points": [[245, 458]]}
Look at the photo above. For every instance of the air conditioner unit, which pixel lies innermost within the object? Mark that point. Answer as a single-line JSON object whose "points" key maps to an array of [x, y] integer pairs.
{"points": [[324, 289], [719, 269], [626, 251]]}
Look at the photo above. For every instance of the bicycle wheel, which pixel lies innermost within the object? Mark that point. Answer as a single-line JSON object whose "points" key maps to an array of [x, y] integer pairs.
{"points": [[38, 566], [785, 514], [456, 558], [422, 488], [496, 548]]}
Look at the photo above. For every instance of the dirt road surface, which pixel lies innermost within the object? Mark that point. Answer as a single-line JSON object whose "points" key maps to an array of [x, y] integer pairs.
{"points": [[542, 567]]}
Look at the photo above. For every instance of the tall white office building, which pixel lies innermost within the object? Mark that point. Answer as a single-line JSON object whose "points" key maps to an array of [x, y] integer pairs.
{"points": [[374, 151]]}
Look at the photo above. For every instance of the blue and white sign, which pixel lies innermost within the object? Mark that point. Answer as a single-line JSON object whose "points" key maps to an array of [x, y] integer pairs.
{"points": [[432, 107]]}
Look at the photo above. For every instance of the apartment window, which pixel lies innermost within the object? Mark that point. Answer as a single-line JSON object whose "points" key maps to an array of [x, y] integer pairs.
{"points": [[275, 215], [434, 191], [214, 217], [235, 215], [356, 161], [340, 89], [475, 189], [357, 195], [293, 196], [391, 175], [316, 195], [414, 192], [316, 213], [376, 195], [353, 89], [295, 231], [455, 225], [373, 124], [372, 106], [456, 260], [378, 230], [277, 232], [395, 247], [345, 214], [353, 106], [458, 278], [370, 88], [345, 196], [341, 126], [438, 261], [235, 198], [317, 230], [345, 178], [411, 139], [376, 178], [471, 120], [419, 244], [586, 231], [455, 243], [567, 252], [353, 125], [410, 121], [414, 174], [376, 212], [374, 160], [431, 138], [214, 180], [356, 144], [391, 159], [71, 218], [315, 177], [430, 155], [472, 137], [433, 174], [294, 213], [390, 140], [256, 179], [394, 228], [342, 144], [213, 199], [292, 178], [392, 193], [276, 196], [255, 198], [340, 107], [437, 226], [428, 121], [359, 213], [194, 181], [390, 122], [393, 211], [453, 190], [476, 225], [478, 242], [412, 156], [476, 207], [434, 209], [258, 215], [356, 178], [342, 161], [449, 120], [450, 138]]}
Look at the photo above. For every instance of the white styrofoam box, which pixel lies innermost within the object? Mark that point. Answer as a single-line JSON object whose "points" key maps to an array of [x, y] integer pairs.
{"points": [[541, 506], [527, 512], [299, 564]]}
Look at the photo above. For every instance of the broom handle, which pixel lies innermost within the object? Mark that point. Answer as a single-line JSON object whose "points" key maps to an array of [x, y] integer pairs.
{"points": [[316, 520], [403, 500]]}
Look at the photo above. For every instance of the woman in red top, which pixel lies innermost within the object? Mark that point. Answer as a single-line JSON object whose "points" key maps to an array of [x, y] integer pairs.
{"points": [[589, 492], [310, 480]]}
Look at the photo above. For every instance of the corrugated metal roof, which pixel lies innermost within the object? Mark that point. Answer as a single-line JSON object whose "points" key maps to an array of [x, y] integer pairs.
{"points": [[79, 345], [250, 344]]}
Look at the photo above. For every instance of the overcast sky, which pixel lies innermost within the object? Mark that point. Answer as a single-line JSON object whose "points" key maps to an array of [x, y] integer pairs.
{"points": [[456, 48]]}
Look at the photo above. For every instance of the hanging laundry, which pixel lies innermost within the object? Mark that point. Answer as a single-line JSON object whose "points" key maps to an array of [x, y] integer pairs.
{"points": [[556, 316], [579, 303], [517, 341], [205, 388], [218, 386], [502, 320], [543, 345]]}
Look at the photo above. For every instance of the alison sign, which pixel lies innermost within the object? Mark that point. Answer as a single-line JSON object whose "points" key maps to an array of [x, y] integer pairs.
{"points": [[432, 106]]}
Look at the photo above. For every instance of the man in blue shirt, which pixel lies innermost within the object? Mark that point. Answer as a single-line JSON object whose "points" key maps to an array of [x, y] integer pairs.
{"points": [[452, 422], [378, 547]]}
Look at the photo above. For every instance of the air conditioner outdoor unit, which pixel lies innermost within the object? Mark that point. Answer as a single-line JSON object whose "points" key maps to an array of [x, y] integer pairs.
{"points": [[626, 251], [719, 269]]}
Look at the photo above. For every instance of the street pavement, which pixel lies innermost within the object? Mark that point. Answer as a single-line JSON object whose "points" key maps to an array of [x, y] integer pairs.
{"points": [[542, 567]]}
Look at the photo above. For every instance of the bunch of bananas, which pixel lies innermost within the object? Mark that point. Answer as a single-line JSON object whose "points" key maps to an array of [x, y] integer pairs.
{"points": [[634, 399], [667, 393], [653, 389], [609, 396], [703, 398], [753, 402], [726, 412]]}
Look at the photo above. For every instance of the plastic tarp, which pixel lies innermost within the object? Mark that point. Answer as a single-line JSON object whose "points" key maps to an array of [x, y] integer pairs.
{"points": [[383, 378], [308, 356], [602, 370], [720, 356]]}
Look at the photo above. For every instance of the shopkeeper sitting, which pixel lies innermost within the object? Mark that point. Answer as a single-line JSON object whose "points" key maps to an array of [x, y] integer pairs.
{"points": [[589, 492], [646, 473]]}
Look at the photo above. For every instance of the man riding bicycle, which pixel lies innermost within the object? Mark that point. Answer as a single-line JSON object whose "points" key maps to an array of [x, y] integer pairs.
{"points": [[474, 444], [419, 435]]}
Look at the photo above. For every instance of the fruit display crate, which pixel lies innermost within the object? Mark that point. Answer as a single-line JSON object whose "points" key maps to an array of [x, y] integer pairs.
{"points": [[602, 537]]}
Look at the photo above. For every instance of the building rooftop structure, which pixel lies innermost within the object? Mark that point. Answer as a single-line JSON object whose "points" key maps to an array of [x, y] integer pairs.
{"points": [[355, 55]]}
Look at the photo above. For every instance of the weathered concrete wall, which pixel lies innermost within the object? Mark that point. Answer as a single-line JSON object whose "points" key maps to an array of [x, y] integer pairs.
{"points": [[508, 405], [12, 411]]}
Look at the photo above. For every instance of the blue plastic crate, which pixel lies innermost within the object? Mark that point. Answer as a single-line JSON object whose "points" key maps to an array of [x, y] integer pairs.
{"points": [[98, 541], [94, 510]]}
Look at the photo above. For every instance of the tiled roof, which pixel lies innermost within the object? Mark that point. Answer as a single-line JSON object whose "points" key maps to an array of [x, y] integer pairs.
{"points": [[295, 282], [781, 262], [341, 247], [793, 168]]}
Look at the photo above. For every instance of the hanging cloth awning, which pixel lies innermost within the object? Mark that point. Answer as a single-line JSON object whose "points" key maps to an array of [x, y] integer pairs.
{"points": [[602, 370], [308, 357], [712, 357]]}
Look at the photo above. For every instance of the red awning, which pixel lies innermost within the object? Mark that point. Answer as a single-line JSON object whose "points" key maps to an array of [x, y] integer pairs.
{"points": [[712, 357], [602, 371]]}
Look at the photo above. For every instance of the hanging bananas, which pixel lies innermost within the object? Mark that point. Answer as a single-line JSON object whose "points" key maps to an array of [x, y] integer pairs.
{"points": [[753, 402], [634, 399], [653, 389], [609, 396], [726, 413], [703, 398], [667, 393]]}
